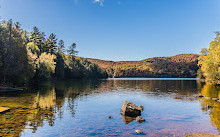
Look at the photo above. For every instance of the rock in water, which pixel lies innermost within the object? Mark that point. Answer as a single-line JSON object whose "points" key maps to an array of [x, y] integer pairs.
{"points": [[130, 109], [200, 95], [109, 116], [138, 131], [141, 108], [139, 119]]}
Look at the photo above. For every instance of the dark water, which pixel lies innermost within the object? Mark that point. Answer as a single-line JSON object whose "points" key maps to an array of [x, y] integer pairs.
{"points": [[81, 108]]}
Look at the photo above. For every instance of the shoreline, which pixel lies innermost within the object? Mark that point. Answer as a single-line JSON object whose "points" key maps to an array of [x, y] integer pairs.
{"points": [[209, 81]]}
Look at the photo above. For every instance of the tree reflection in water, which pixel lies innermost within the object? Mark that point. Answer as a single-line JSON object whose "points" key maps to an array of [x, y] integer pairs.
{"points": [[213, 91], [31, 108], [43, 103]]}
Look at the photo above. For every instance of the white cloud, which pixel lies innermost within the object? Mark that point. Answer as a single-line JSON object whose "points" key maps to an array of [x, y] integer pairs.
{"points": [[99, 1]]}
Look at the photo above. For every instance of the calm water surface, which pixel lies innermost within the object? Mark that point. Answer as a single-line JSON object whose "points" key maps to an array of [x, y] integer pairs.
{"points": [[81, 108]]}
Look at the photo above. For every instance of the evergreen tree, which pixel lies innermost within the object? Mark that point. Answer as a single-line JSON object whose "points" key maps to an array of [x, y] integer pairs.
{"points": [[38, 38], [59, 71], [61, 46], [72, 50], [51, 42]]}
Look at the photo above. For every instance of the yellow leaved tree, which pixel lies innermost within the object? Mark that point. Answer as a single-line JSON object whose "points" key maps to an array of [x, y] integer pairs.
{"points": [[46, 65], [209, 61]]}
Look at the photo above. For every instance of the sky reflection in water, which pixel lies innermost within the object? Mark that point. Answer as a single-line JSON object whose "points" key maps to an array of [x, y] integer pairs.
{"points": [[81, 108]]}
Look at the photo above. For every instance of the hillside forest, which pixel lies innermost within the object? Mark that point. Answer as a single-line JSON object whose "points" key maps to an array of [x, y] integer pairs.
{"points": [[179, 66]]}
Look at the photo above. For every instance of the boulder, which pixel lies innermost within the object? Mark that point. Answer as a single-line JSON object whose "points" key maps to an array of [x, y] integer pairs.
{"points": [[130, 109], [139, 119], [138, 131]]}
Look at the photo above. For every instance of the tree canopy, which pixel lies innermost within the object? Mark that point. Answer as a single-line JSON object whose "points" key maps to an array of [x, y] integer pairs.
{"points": [[25, 56], [209, 60]]}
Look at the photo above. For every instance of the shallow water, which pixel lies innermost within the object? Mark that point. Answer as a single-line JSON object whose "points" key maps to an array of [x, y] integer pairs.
{"points": [[81, 108]]}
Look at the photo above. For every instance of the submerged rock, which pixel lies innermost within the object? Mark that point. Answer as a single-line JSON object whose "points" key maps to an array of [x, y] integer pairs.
{"points": [[109, 116], [139, 119], [138, 131], [130, 109]]}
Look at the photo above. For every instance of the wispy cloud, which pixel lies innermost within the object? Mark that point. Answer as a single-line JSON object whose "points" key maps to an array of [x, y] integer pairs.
{"points": [[76, 1], [99, 1]]}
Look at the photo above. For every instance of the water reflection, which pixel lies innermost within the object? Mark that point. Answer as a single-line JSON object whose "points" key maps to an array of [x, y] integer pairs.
{"points": [[178, 89], [45, 103], [127, 119], [213, 91], [36, 107]]}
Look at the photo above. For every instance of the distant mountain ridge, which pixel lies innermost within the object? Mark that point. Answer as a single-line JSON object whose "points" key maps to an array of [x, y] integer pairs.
{"points": [[183, 65]]}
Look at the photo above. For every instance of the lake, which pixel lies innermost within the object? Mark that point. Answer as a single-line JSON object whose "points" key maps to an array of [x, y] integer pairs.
{"points": [[81, 108]]}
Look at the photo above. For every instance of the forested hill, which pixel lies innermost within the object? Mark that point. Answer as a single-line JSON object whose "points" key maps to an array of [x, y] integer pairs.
{"points": [[183, 65]]}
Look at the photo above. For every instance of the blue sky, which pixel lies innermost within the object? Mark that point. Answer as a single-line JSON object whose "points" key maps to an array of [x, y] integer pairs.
{"points": [[121, 29]]}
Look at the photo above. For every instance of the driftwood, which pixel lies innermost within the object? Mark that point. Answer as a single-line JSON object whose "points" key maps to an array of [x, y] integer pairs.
{"points": [[4, 109], [3, 89]]}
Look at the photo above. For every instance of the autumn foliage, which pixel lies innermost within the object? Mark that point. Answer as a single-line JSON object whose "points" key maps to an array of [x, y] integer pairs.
{"points": [[209, 61], [184, 65]]}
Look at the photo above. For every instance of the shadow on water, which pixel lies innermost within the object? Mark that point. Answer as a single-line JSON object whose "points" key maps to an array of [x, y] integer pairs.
{"points": [[43, 103]]}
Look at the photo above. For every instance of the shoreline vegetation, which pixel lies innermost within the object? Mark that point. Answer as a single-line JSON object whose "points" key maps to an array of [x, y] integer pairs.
{"points": [[209, 62]]}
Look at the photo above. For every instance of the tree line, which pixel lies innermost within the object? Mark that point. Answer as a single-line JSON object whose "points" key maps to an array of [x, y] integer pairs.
{"points": [[26, 56]]}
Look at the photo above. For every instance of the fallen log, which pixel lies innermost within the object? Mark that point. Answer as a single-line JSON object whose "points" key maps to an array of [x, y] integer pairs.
{"points": [[3, 89]]}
